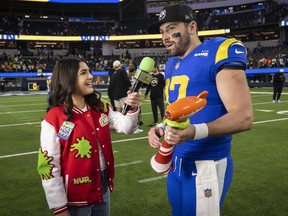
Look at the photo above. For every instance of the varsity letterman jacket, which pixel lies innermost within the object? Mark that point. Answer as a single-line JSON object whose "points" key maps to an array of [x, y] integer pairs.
{"points": [[68, 160]]}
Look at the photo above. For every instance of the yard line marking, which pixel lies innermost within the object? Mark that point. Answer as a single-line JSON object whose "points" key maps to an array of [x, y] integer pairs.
{"points": [[20, 154], [132, 139], [24, 94], [270, 93], [19, 124], [262, 110], [28, 153], [127, 164], [20, 99], [34, 152], [272, 120], [31, 111], [28, 111], [152, 179], [262, 93], [17, 105], [28, 118], [147, 113], [282, 112], [25, 117], [258, 96], [267, 103], [117, 141]]}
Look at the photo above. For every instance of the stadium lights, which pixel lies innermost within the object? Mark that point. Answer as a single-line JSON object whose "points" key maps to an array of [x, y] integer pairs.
{"points": [[100, 37]]}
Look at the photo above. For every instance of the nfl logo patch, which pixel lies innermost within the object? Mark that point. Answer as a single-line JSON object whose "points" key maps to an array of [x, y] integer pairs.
{"points": [[208, 193], [177, 65]]}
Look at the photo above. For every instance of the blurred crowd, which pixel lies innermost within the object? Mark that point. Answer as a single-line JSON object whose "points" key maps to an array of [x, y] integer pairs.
{"points": [[42, 60], [231, 17]]}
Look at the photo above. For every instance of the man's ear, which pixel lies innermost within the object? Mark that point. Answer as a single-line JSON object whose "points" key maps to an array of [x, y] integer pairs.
{"points": [[193, 28]]}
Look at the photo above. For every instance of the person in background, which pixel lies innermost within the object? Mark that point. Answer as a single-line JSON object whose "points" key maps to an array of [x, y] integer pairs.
{"points": [[2, 84], [119, 85], [202, 162], [75, 160], [156, 87], [48, 81], [278, 82]]}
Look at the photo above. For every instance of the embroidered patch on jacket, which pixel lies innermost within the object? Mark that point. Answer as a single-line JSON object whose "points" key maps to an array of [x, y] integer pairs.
{"points": [[83, 147], [208, 193], [81, 180], [65, 130], [103, 120], [44, 165]]}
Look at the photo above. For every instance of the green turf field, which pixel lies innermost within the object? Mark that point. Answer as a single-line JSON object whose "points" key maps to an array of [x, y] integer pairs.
{"points": [[260, 186]]}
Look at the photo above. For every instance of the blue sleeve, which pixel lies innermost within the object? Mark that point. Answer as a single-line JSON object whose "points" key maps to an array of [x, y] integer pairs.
{"points": [[230, 53]]}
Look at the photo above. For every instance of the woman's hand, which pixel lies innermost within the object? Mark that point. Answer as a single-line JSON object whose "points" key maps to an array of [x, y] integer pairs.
{"points": [[133, 99]]}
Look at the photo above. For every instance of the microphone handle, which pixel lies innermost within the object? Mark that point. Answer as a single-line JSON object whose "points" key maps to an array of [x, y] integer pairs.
{"points": [[135, 88]]}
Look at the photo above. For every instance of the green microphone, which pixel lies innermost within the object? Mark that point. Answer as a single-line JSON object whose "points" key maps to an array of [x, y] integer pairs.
{"points": [[141, 76]]}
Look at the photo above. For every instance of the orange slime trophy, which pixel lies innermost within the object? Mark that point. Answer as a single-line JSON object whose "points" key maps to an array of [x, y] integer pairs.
{"points": [[177, 115]]}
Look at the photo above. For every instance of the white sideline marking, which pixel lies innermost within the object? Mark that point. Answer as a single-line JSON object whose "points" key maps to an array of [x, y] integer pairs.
{"points": [[152, 179]]}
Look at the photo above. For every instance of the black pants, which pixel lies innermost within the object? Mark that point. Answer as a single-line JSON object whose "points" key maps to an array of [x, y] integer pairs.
{"points": [[277, 90], [104, 179], [160, 103]]}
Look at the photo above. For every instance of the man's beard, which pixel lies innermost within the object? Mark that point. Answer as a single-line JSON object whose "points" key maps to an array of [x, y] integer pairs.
{"points": [[181, 45]]}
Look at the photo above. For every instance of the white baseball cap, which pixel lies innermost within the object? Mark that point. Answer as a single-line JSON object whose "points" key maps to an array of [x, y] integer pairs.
{"points": [[116, 63], [281, 70]]}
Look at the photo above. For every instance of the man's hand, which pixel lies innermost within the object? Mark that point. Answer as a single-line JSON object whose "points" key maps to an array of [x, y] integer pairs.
{"points": [[174, 136]]}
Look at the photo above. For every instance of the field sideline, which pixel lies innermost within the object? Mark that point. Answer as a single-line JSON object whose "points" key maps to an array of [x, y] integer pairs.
{"points": [[260, 157]]}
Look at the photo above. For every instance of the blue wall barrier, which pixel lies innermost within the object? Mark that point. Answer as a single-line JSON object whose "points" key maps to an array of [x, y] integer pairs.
{"points": [[249, 72], [40, 78], [265, 70]]}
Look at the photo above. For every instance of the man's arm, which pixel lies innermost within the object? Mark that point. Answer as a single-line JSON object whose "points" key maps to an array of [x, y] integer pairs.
{"points": [[234, 92]]}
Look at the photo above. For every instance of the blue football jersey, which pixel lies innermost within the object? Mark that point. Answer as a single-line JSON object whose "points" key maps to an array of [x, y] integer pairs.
{"points": [[194, 74]]}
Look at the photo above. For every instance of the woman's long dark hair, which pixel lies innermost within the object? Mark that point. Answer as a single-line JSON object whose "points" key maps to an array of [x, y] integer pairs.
{"points": [[63, 83]]}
